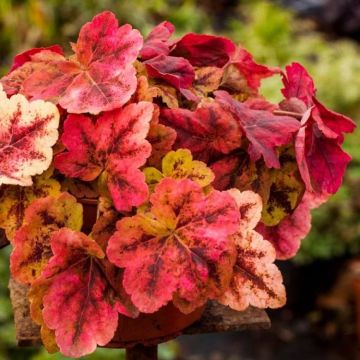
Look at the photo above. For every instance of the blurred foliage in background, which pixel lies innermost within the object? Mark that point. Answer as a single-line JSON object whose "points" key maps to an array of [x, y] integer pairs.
{"points": [[273, 35]]}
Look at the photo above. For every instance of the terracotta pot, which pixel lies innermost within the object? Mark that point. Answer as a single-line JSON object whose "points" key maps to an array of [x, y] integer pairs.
{"points": [[147, 329], [151, 329]]}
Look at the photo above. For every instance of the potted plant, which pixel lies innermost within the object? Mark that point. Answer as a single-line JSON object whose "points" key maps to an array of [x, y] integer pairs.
{"points": [[143, 178]]}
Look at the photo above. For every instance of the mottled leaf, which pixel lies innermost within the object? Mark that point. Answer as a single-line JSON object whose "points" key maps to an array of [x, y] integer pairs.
{"points": [[207, 80], [202, 131], [281, 189], [179, 164], [32, 241], [285, 189], [287, 235], [154, 91], [79, 304], [100, 76], [28, 130], [115, 143], [28, 63], [256, 280], [36, 294], [26, 56], [15, 199], [179, 249]]}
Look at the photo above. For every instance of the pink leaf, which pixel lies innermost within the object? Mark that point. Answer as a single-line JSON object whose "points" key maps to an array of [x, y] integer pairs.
{"points": [[117, 144], [99, 77], [180, 249], [78, 304], [157, 42]]}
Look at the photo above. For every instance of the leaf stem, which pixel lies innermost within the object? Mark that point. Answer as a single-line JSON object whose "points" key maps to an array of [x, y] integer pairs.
{"points": [[288, 113]]}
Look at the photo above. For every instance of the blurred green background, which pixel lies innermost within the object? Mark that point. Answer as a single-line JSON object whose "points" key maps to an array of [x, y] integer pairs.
{"points": [[274, 35]]}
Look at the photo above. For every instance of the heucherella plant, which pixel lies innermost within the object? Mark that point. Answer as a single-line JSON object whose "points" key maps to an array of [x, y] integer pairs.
{"points": [[200, 182]]}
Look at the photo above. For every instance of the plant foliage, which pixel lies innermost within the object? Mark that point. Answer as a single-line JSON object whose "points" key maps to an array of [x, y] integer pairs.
{"points": [[200, 181]]}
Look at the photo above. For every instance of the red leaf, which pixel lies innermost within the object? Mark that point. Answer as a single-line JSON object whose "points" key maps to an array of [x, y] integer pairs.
{"points": [[252, 71], [26, 56], [226, 171], [202, 131], [99, 77], [28, 130], [287, 235], [79, 303], [264, 130], [178, 250], [243, 75], [204, 50], [298, 84], [157, 42], [115, 143], [321, 160], [176, 71]]}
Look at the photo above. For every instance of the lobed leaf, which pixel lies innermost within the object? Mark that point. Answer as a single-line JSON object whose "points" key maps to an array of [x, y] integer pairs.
{"points": [[243, 75], [31, 242], [77, 294], [115, 143], [178, 250], [256, 280], [15, 199], [100, 76], [281, 189], [26, 56], [157, 42], [201, 131], [287, 235], [179, 164], [28, 130], [321, 160], [25, 65], [264, 130]]}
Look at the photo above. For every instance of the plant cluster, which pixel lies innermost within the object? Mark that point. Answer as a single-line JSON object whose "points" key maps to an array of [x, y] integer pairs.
{"points": [[191, 170]]}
